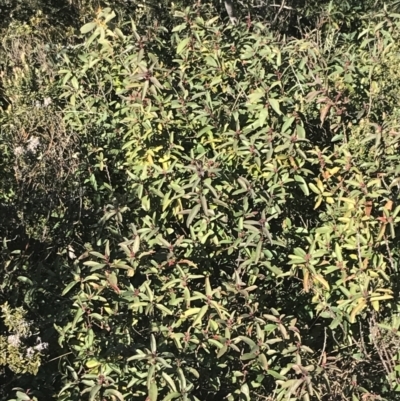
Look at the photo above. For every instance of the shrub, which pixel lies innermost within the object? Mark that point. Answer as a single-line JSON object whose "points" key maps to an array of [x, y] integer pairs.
{"points": [[212, 209], [244, 236]]}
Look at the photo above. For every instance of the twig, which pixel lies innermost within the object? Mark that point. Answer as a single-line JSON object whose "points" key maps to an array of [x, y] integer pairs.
{"points": [[58, 357], [323, 348], [281, 7]]}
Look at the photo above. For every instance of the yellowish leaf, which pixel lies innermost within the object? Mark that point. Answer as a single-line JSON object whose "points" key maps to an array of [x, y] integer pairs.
{"points": [[361, 305], [322, 281]]}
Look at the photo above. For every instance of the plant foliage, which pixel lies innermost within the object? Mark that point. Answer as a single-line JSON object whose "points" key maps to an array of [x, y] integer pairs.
{"points": [[218, 206]]}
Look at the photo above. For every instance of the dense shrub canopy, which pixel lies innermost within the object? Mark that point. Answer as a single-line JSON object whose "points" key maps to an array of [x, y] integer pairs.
{"points": [[196, 210]]}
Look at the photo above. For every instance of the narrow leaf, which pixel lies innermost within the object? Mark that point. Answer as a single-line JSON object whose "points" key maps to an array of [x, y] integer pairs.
{"points": [[88, 27], [275, 105]]}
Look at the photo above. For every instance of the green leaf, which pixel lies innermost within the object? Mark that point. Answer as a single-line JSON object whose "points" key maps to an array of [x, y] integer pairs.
{"points": [[182, 45], [276, 375], [246, 340], [263, 116], [150, 375], [98, 254], [137, 357], [92, 363], [216, 81], [258, 252], [246, 391], [287, 124], [169, 380], [111, 391], [222, 351], [153, 391], [301, 133], [256, 96], [247, 356], [200, 315], [22, 396], [179, 28], [77, 318], [182, 378], [25, 279], [193, 213], [153, 344], [164, 309], [172, 396], [69, 287], [302, 184], [93, 392], [74, 83], [88, 27], [275, 105], [211, 61], [263, 361], [314, 188], [119, 33]]}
